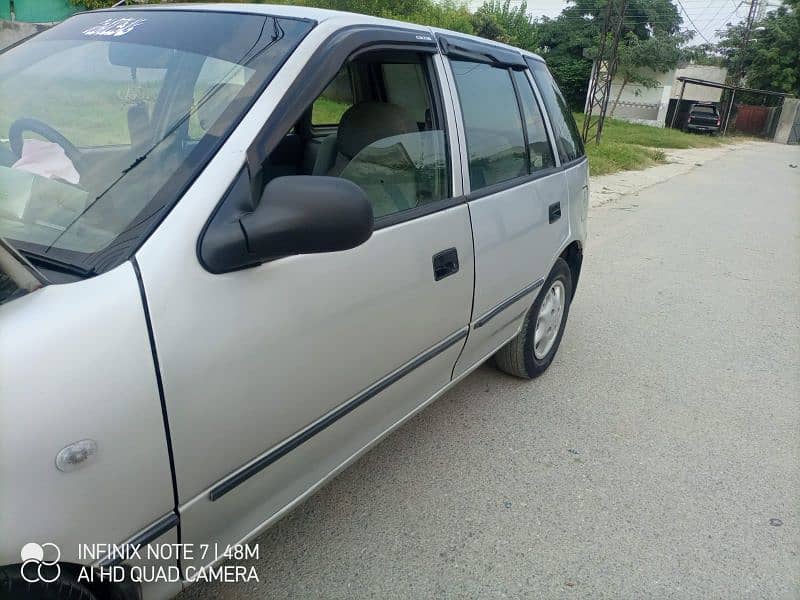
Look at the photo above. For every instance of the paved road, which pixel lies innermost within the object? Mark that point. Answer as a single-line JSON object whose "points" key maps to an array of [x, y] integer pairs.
{"points": [[659, 457]]}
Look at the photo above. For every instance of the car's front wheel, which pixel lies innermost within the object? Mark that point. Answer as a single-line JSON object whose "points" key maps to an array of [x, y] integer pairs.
{"points": [[62, 586], [530, 353]]}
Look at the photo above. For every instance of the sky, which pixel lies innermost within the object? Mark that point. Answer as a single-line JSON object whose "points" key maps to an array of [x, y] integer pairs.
{"points": [[707, 16]]}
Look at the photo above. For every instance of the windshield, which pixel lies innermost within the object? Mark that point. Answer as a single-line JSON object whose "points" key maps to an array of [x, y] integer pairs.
{"points": [[706, 110], [107, 117]]}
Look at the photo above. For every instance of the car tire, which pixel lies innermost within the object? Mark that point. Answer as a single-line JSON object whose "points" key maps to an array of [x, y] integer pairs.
{"points": [[13, 586], [521, 357]]}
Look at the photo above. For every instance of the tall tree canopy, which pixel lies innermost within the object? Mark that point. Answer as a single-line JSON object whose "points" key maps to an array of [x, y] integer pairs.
{"points": [[568, 42], [771, 59]]}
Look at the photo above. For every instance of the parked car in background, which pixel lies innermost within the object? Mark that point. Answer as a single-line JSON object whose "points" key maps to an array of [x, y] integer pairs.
{"points": [[703, 117], [242, 245]]}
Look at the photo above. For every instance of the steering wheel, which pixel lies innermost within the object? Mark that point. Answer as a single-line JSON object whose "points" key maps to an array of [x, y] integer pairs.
{"points": [[47, 132]]}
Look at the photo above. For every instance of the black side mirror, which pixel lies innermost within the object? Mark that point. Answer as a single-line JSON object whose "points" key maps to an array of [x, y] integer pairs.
{"points": [[296, 215]]}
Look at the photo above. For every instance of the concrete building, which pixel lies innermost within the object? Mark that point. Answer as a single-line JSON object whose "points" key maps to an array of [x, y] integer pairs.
{"points": [[788, 128], [649, 106], [22, 18]]}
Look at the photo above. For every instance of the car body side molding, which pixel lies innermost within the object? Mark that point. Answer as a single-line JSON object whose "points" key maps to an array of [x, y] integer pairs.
{"points": [[239, 477], [147, 535], [496, 310]]}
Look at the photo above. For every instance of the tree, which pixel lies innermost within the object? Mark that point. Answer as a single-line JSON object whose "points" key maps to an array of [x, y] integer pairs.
{"points": [[486, 25], [703, 54], [771, 59], [515, 24], [569, 42], [563, 42], [93, 4], [638, 59]]}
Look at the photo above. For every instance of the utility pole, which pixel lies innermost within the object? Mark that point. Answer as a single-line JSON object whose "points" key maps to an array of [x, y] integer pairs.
{"points": [[752, 15], [605, 65], [738, 69]]}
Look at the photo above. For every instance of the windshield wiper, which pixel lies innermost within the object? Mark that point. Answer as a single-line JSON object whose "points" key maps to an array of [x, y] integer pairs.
{"points": [[54, 264]]}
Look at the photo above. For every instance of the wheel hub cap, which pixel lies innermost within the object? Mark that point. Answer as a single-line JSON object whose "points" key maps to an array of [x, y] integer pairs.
{"points": [[548, 321]]}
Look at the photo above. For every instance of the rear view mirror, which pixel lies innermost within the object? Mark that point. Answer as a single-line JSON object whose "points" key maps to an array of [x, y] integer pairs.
{"points": [[296, 215], [138, 56]]}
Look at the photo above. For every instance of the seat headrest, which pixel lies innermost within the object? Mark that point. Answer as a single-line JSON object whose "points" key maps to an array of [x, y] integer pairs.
{"points": [[367, 122]]}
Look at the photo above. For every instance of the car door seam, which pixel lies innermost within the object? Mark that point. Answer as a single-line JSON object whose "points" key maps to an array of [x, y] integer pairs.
{"points": [[160, 386]]}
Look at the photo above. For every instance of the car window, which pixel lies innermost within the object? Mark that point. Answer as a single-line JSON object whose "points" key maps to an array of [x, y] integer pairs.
{"points": [[389, 138], [218, 83], [91, 108], [405, 85], [96, 116], [334, 101], [492, 123], [540, 153], [568, 139], [708, 110]]}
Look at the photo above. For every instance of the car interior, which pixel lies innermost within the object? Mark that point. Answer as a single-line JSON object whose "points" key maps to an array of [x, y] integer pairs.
{"points": [[375, 124]]}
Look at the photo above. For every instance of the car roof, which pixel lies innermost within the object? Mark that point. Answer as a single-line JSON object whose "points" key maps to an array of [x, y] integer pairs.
{"points": [[341, 18]]}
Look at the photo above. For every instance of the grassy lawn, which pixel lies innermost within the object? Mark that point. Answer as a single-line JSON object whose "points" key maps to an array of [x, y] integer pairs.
{"points": [[628, 146], [326, 111]]}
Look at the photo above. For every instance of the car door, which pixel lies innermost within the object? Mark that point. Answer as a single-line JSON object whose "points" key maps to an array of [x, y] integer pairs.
{"points": [[275, 376], [569, 144], [516, 190]]}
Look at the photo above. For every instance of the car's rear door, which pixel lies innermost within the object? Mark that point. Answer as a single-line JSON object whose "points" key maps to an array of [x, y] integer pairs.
{"points": [[273, 376], [569, 146], [516, 191]]}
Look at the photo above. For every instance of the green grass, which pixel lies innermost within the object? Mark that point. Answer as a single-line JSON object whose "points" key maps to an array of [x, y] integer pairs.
{"points": [[87, 115], [629, 146], [93, 113], [326, 111]]}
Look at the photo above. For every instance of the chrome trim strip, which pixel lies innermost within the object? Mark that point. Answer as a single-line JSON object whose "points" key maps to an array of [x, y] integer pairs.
{"points": [[493, 312], [248, 471]]}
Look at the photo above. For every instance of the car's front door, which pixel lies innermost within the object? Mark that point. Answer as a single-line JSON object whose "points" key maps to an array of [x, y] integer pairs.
{"points": [[274, 376]]}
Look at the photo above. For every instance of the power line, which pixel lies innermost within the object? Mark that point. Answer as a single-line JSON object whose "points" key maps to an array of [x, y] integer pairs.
{"points": [[735, 8], [692, 22]]}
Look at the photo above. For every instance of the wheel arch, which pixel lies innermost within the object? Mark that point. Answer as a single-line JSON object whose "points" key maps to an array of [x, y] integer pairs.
{"points": [[573, 256]]}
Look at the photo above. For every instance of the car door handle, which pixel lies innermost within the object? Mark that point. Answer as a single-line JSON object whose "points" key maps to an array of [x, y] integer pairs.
{"points": [[445, 263], [554, 212]]}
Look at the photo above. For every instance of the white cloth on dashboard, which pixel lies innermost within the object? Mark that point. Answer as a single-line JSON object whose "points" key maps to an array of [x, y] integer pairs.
{"points": [[46, 159]]}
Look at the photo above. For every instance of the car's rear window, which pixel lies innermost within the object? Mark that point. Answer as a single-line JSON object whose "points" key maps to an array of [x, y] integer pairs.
{"points": [[568, 139], [706, 110]]}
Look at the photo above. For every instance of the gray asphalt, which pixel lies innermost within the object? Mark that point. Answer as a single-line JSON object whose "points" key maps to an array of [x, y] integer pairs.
{"points": [[659, 457]]}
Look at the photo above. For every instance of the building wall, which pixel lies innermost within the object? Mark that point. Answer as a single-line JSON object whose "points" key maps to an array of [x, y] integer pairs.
{"points": [[38, 11], [639, 103], [13, 31], [698, 92], [788, 129], [649, 105]]}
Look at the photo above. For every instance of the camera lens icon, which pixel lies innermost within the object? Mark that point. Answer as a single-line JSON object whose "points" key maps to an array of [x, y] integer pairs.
{"points": [[36, 567]]}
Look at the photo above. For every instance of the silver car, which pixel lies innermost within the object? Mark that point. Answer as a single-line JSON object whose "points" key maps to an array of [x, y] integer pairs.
{"points": [[240, 246]]}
